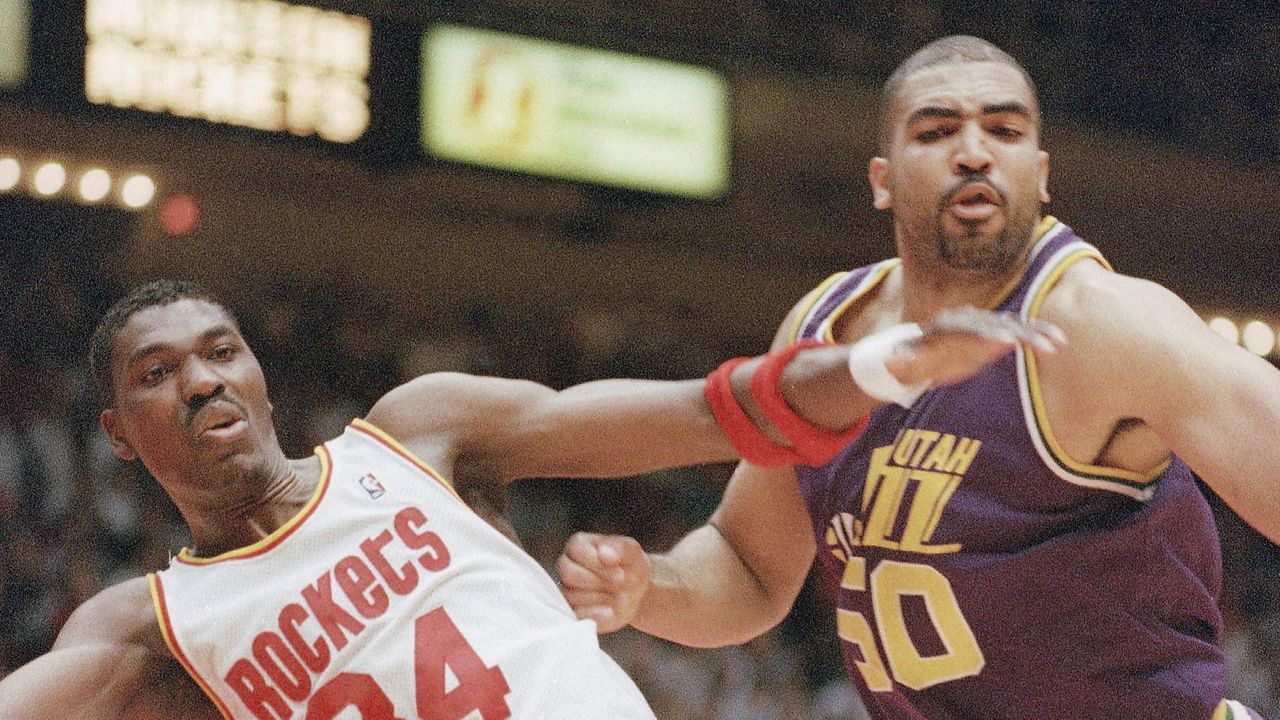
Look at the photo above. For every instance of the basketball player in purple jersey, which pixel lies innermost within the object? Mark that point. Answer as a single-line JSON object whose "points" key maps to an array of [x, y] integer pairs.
{"points": [[1028, 543]]}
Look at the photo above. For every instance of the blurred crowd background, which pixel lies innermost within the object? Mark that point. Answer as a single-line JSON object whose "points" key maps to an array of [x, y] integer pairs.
{"points": [[350, 277]]}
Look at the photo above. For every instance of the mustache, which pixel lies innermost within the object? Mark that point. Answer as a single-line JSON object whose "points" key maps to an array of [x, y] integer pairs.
{"points": [[200, 402]]}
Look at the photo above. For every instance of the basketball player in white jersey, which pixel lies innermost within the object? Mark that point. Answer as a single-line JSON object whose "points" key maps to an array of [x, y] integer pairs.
{"points": [[356, 582]]}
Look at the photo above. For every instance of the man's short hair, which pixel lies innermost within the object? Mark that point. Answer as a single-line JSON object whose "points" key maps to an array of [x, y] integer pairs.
{"points": [[943, 51], [150, 294]]}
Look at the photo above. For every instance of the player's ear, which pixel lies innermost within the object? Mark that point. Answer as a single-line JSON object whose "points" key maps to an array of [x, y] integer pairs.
{"points": [[1044, 176], [119, 445], [878, 175]]}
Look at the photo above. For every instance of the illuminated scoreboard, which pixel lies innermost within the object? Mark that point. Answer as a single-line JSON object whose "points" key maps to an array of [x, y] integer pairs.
{"points": [[596, 116], [259, 64], [15, 27]]}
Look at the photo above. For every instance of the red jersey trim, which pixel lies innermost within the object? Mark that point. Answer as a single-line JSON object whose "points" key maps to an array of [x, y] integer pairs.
{"points": [[279, 534], [170, 639]]}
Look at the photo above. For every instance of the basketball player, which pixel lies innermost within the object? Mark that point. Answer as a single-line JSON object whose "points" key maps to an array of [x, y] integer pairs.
{"points": [[1029, 543], [357, 582]]}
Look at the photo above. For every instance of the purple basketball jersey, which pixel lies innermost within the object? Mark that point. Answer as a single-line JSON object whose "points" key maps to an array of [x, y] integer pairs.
{"points": [[981, 573]]}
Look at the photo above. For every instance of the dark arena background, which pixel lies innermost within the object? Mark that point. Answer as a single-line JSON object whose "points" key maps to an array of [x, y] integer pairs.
{"points": [[559, 191]]}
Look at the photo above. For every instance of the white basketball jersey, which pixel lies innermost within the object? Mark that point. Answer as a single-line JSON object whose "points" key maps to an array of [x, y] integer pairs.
{"points": [[386, 598]]}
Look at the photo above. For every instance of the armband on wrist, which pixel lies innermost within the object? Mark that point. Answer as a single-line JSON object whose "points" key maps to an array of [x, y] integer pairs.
{"points": [[810, 444], [751, 443], [867, 365], [815, 444]]}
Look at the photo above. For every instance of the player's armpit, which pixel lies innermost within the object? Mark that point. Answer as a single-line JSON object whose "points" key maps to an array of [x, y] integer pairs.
{"points": [[1138, 351]]}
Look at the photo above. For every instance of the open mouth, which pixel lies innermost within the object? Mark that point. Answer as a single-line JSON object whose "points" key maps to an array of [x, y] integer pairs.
{"points": [[974, 202], [217, 420]]}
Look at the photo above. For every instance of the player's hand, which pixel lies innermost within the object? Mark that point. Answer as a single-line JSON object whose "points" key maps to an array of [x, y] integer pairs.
{"points": [[604, 577], [959, 342]]}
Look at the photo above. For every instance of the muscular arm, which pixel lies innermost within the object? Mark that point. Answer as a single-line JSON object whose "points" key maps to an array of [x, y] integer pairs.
{"points": [[514, 428], [104, 666], [1138, 352], [517, 428], [736, 577]]}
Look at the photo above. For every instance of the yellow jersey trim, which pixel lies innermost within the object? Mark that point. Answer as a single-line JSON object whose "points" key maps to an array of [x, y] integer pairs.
{"points": [[1047, 223], [1055, 448], [278, 535], [811, 300], [819, 293]]}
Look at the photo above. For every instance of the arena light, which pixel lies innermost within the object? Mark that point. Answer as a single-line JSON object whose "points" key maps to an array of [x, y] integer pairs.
{"points": [[1226, 329], [138, 191], [95, 184], [179, 214], [49, 178], [1258, 338], [10, 173]]}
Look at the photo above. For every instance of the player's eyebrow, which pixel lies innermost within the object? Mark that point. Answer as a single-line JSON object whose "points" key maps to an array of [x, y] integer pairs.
{"points": [[946, 113], [1015, 108], [212, 333], [932, 112]]}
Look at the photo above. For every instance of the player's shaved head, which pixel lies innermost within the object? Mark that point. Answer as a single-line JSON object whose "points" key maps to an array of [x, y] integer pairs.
{"points": [[953, 49]]}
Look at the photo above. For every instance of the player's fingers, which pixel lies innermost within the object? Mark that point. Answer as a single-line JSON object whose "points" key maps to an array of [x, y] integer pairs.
{"points": [[584, 549], [605, 618], [966, 324], [623, 552], [577, 597], [575, 575]]}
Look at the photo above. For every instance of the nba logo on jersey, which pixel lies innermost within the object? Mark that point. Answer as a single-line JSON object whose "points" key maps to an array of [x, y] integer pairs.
{"points": [[372, 486]]}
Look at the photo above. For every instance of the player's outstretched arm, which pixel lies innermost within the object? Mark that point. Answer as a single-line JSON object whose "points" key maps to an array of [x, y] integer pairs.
{"points": [[738, 576], [625, 427], [102, 668]]}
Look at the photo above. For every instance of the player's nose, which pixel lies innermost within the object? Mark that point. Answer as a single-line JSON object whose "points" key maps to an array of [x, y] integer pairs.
{"points": [[972, 155], [200, 381]]}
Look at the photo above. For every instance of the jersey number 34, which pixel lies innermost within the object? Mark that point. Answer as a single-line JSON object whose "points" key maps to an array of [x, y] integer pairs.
{"points": [[438, 648]]}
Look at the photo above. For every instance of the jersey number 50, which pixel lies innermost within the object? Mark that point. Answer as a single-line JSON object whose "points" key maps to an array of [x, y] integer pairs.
{"points": [[437, 645], [890, 581]]}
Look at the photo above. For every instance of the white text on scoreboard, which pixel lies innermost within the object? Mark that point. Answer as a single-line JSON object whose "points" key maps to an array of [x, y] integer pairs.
{"points": [[260, 64]]}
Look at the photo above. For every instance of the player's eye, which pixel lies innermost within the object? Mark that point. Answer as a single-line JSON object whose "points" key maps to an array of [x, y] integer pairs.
{"points": [[155, 374], [931, 134]]}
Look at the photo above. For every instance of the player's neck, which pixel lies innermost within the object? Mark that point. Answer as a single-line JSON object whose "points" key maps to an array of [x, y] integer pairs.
{"points": [[924, 291], [256, 510]]}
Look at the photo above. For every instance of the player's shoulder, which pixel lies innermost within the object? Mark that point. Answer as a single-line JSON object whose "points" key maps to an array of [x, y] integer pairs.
{"points": [[121, 613], [1091, 294], [435, 412]]}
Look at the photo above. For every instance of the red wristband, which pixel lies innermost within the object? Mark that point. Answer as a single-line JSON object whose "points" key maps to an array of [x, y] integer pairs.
{"points": [[753, 445], [815, 444]]}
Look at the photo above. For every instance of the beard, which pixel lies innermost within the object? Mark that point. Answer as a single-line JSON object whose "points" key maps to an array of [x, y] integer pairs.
{"points": [[976, 249]]}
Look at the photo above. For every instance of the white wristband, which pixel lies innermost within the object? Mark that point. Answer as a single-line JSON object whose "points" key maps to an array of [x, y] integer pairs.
{"points": [[867, 365]]}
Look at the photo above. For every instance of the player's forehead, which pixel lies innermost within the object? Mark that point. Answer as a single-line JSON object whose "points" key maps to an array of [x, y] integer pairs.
{"points": [[962, 85], [180, 324]]}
